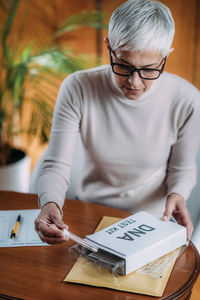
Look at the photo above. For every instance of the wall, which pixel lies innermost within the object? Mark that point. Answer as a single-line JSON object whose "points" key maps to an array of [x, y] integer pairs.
{"points": [[43, 19], [184, 61]]}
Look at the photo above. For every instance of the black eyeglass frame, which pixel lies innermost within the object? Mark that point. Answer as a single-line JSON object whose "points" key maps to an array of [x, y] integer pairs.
{"points": [[138, 70]]}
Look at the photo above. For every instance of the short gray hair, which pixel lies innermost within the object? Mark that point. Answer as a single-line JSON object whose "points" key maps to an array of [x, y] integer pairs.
{"points": [[142, 25]]}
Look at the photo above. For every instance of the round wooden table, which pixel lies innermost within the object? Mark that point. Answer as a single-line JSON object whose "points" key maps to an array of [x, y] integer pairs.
{"points": [[38, 272], [183, 276]]}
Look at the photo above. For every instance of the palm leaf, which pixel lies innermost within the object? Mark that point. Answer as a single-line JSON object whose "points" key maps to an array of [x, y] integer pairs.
{"points": [[8, 25], [27, 67], [84, 19]]}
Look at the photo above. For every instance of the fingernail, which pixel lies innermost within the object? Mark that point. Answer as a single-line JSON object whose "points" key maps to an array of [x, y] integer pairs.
{"points": [[165, 218]]}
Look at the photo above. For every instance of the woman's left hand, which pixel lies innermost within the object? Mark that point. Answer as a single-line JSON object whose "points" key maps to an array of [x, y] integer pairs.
{"points": [[176, 207]]}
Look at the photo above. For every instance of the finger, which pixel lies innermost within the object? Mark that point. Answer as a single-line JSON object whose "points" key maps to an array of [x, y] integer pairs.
{"points": [[50, 235], [59, 223], [189, 226], [37, 229], [189, 231], [66, 227], [165, 217], [51, 239], [54, 227], [46, 230], [168, 211], [184, 219], [51, 219], [55, 217], [49, 230]]}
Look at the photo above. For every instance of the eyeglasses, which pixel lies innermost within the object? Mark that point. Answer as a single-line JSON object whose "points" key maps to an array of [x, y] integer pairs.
{"points": [[144, 73]]}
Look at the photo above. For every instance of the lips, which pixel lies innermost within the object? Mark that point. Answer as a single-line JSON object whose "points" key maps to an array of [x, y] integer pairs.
{"points": [[132, 93]]}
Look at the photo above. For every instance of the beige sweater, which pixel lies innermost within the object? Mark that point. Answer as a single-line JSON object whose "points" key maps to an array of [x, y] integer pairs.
{"points": [[136, 152]]}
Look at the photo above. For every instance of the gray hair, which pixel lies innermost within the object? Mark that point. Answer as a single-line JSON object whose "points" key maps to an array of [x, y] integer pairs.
{"points": [[142, 25]]}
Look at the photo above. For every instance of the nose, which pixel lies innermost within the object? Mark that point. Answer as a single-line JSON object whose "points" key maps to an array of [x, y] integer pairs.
{"points": [[134, 80]]}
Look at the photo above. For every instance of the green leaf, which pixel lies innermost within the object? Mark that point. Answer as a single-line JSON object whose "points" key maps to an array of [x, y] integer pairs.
{"points": [[8, 25], [84, 19], [25, 67], [25, 55]]}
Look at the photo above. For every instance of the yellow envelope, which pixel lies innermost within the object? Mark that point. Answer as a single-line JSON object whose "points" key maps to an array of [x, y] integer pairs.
{"points": [[149, 280]]}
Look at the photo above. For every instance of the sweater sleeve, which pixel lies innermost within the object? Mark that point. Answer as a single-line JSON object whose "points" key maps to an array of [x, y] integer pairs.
{"points": [[54, 178], [182, 166]]}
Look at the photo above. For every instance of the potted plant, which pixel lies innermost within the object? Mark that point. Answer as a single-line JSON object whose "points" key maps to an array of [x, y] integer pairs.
{"points": [[24, 70]]}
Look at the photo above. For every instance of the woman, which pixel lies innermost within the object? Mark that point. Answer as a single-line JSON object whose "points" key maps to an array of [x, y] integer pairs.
{"points": [[139, 126]]}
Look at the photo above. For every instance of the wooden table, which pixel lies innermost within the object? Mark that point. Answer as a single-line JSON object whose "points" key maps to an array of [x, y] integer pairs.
{"points": [[36, 273]]}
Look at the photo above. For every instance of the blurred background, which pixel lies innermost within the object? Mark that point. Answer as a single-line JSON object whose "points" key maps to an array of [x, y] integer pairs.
{"points": [[33, 32]]}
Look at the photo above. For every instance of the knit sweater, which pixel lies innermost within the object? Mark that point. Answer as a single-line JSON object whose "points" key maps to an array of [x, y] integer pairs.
{"points": [[136, 151]]}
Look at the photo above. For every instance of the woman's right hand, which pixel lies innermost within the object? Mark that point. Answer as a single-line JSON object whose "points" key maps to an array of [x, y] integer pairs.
{"points": [[50, 213]]}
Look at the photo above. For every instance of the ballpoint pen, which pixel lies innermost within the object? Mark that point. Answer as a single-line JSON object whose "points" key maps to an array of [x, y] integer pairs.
{"points": [[16, 227], [74, 238]]}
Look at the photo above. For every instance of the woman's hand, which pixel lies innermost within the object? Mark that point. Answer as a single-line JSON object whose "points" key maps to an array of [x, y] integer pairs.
{"points": [[176, 207], [50, 213]]}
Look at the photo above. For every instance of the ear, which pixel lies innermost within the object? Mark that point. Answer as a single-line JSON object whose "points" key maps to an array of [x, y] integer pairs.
{"points": [[106, 41]]}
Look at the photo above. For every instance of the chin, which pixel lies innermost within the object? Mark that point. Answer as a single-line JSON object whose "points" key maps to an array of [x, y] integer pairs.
{"points": [[133, 95]]}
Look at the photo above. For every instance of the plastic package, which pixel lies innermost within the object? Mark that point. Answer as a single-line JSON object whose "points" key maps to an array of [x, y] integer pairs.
{"points": [[116, 265], [101, 259], [80, 241]]}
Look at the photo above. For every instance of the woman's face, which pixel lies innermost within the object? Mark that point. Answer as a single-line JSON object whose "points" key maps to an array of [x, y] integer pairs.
{"points": [[133, 87]]}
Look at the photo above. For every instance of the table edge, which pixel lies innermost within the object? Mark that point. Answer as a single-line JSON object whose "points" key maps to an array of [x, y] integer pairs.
{"points": [[190, 282]]}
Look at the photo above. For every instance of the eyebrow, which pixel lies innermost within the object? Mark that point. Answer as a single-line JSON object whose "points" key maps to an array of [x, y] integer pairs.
{"points": [[146, 66]]}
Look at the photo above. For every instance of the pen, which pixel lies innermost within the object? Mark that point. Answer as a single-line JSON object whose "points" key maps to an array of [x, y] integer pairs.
{"points": [[15, 229], [74, 238]]}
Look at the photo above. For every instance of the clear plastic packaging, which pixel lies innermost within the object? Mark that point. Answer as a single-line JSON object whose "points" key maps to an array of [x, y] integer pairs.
{"points": [[80, 241], [101, 259], [116, 265]]}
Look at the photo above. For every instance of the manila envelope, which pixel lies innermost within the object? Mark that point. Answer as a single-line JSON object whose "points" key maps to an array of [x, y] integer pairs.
{"points": [[149, 280]]}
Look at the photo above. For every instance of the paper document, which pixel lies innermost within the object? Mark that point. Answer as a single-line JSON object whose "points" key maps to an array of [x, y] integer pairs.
{"points": [[26, 234]]}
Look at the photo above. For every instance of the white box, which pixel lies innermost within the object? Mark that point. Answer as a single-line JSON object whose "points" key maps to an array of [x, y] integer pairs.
{"points": [[140, 239]]}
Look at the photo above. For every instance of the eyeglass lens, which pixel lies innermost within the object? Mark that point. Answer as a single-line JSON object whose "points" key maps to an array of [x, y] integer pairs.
{"points": [[126, 71]]}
